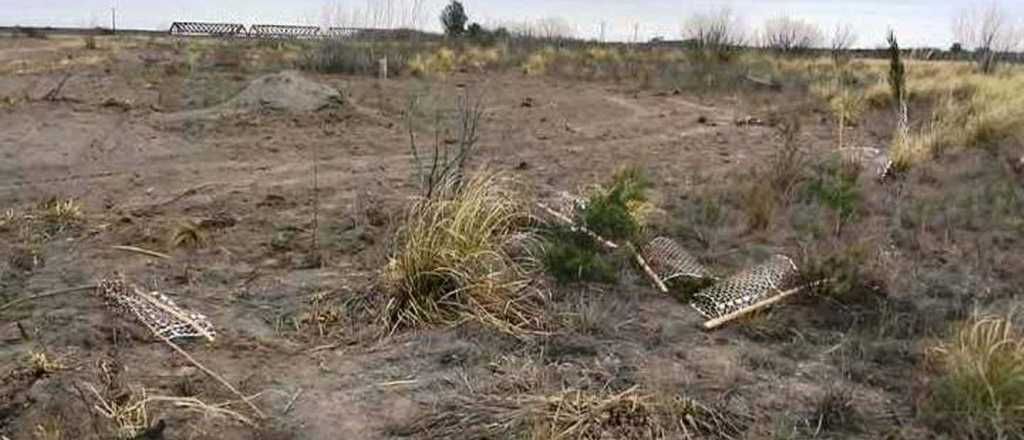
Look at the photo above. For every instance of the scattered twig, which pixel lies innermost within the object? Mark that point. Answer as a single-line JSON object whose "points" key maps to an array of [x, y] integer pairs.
{"points": [[142, 251], [47, 295], [208, 371], [198, 405], [54, 93], [397, 383], [576, 228], [188, 192], [291, 402]]}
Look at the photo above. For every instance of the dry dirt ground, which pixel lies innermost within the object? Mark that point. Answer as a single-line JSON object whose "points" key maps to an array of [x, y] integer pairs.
{"points": [[139, 153]]}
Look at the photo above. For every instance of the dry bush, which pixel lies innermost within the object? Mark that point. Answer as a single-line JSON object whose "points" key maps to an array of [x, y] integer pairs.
{"points": [[453, 260], [840, 42], [716, 31], [759, 203], [788, 35], [788, 162], [444, 162], [979, 390], [836, 411], [358, 58], [990, 31]]}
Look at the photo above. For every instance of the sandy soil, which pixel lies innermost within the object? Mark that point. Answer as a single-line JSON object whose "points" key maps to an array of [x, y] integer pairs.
{"points": [[125, 146]]}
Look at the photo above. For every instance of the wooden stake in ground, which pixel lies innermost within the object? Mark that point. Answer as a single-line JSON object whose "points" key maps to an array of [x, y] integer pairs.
{"points": [[142, 251], [208, 371], [575, 227], [725, 319], [647, 269]]}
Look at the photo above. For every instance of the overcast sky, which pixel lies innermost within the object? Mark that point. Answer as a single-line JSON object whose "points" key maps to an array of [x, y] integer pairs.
{"points": [[917, 22]]}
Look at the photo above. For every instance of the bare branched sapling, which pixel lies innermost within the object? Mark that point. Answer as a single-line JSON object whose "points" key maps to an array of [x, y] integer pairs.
{"points": [[446, 159]]}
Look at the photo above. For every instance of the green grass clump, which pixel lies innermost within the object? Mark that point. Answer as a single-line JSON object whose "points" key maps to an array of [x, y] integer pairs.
{"points": [[617, 212], [572, 256], [835, 185], [979, 391]]}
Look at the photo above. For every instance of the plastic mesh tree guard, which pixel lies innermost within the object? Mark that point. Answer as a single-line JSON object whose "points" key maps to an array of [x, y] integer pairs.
{"points": [[208, 29], [284, 31], [669, 260], [153, 310], [747, 287]]}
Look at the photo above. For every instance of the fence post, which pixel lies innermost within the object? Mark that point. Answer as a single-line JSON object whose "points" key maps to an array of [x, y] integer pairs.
{"points": [[383, 69]]}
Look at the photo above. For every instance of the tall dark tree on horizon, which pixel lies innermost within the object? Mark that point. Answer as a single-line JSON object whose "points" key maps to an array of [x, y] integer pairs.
{"points": [[454, 18]]}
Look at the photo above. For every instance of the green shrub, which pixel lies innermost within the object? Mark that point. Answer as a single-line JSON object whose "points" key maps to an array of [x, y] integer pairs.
{"points": [[572, 256], [846, 279], [835, 185], [617, 212]]}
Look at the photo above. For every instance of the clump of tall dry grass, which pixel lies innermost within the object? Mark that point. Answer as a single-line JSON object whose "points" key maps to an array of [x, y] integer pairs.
{"points": [[979, 392], [972, 110], [577, 414], [454, 259]]}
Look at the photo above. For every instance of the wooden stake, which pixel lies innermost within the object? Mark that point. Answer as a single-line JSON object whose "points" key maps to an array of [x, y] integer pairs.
{"points": [[142, 251], [208, 371], [574, 227], [650, 272], [722, 320]]}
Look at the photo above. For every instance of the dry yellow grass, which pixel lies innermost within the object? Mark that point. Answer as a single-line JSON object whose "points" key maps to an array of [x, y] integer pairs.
{"points": [[452, 260], [441, 63], [965, 109], [979, 392]]}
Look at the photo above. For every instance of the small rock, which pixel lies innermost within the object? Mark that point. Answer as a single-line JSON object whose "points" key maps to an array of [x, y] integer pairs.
{"points": [[522, 165], [702, 119]]}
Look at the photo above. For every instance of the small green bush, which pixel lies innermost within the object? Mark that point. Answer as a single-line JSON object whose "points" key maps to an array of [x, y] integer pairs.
{"points": [[572, 256], [835, 185], [616, 212]]}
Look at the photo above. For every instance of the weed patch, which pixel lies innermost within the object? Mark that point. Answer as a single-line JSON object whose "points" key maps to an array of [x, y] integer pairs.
{"points": [[979, 390]]}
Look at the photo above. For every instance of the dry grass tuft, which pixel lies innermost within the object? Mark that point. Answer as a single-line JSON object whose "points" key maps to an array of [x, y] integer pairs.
{"points": [[128, 415], [631, 414], [453, 260], [760, 204], [979, 392], [187, 234], [62, 213], [575, 414], [51, 429], [42, 363]]}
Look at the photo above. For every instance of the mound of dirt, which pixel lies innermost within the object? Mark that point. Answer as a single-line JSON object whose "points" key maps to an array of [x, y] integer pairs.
{"points": [[286, 91]]}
